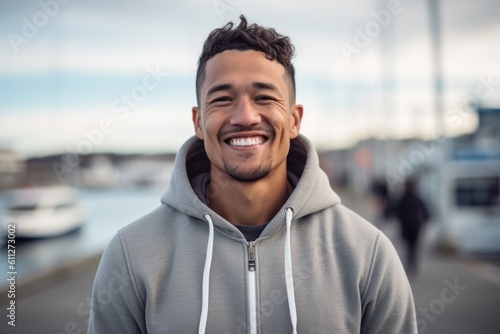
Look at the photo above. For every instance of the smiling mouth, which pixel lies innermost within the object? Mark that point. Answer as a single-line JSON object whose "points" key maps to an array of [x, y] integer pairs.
{"points": [[246, 141]]}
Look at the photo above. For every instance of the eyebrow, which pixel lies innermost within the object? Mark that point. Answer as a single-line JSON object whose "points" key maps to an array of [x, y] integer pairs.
{"points": [[263, 85], [218, 88], [258, 85]]}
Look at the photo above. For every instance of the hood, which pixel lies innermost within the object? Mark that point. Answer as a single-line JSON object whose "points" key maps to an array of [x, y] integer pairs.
{"points": [[311, 194]]}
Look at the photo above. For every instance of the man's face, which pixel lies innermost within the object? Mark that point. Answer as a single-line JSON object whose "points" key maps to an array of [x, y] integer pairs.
{"points": [[246, 115]]}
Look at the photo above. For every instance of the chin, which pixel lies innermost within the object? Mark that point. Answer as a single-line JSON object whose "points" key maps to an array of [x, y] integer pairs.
{"points": [[252, 175]]}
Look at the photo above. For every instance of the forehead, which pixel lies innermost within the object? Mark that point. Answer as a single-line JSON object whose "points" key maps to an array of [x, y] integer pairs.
{"points": [[243, 67]]}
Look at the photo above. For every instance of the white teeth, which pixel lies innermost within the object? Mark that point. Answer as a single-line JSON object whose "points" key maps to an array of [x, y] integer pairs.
{"points": [[245, 142]]}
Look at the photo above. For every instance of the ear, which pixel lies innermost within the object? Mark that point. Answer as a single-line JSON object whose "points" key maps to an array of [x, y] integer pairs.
{"points": [[198, 129], [296, 120]]}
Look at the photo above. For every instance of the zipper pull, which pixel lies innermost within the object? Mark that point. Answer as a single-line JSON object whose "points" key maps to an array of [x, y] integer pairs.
{"points": [[251, 256]]}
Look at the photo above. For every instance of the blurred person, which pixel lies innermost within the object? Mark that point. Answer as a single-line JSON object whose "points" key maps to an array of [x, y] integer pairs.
{"points": [[250, 238], [412, 214]]}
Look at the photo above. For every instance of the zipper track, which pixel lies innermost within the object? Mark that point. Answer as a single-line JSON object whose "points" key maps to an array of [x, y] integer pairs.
{"points": [[252, 291]]}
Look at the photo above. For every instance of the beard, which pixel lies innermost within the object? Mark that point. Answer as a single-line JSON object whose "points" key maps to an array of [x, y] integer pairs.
{"points": [[245, 174]]}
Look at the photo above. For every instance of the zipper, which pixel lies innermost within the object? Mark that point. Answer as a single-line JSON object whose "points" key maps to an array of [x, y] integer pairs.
{"points": [[252, 292], [251, 256]]}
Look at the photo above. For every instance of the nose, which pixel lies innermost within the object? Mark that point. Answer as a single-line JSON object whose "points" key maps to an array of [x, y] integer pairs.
{"points": [[244, 113]]}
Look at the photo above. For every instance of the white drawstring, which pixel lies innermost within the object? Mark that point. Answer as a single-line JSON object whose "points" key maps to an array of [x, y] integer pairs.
{"points": [[206, 276], [289, 272]]}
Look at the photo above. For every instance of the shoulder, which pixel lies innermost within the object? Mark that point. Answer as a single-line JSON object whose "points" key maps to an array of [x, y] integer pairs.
{"points": [[149, 237], [145, 245], [352, 223], [342, 224], [351, 239], [132, 238], [362, 246], [154, 226], [363, 238], [148, 225], [347, 228]]}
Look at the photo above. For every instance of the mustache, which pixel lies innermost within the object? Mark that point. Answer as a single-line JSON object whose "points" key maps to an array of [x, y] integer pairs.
{"points": [[238, 128]]}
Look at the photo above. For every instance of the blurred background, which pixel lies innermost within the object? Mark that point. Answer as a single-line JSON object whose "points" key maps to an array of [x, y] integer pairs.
{"points": [[95, 100]]}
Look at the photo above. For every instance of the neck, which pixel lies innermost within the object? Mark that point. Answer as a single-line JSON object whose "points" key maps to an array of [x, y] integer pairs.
{"points": [[248, 203]]}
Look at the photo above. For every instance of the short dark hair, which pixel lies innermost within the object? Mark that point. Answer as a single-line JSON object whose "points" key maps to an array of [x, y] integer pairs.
{"points": [[245, 37]]}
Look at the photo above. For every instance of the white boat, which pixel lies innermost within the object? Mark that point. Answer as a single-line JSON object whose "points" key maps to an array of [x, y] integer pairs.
{"points": [[43, 211]]}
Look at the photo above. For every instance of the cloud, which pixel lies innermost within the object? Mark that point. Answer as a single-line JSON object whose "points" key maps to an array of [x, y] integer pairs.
{"points": [[93, 51]]}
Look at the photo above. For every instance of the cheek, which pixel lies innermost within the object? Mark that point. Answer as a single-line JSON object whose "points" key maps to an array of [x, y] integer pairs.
{"points": [[213, 152], [210, 131], [211, 124], [206, 128]]}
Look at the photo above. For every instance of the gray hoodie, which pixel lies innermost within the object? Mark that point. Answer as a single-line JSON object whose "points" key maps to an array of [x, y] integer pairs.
{"points": [[316, 268]]}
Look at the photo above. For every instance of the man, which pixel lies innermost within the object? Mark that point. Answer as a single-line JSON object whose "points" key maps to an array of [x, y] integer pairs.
{"points": [[250, 238], [412, 214]]}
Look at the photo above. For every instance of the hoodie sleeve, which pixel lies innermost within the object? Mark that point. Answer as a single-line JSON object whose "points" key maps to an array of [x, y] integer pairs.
{"points": [[116, 306], [388, 305]]}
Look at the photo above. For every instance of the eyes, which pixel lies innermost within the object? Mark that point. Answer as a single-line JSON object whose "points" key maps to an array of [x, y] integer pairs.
{"points": [[228, 99], [221, 99], [265, 98]]}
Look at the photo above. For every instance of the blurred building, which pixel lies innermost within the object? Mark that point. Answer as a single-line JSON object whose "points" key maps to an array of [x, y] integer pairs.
{"points": [[474, 184], [471, 178]]}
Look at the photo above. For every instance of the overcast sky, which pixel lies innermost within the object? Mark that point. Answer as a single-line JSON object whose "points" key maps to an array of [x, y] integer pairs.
{"points": [[67, 65]]}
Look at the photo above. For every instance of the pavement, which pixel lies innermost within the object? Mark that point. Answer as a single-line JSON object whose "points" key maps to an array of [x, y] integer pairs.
{"points": [[453, 293], [56, 303], [457, 295]]}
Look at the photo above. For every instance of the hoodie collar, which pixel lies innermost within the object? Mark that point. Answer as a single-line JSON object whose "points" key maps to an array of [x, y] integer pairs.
{"points": [[311, 194]]}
